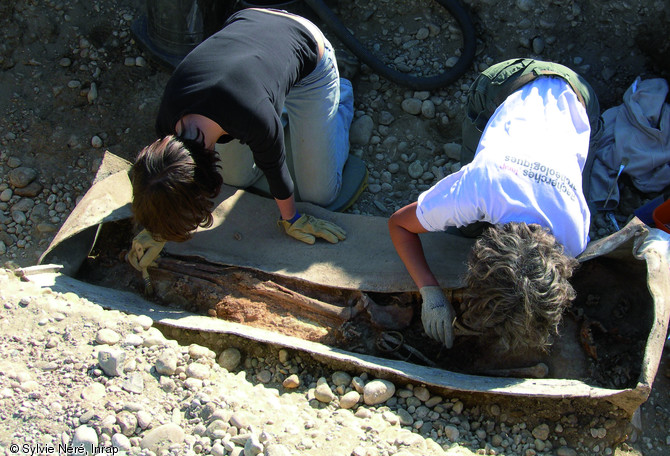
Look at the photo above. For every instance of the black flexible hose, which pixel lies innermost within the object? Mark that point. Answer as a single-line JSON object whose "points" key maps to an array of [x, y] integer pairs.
{"points": [[455, 8]]}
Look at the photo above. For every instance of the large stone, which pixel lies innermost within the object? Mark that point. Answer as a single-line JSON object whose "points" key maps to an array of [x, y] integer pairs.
{"points": [[428, 109], [144, 419], [162, 437], [6, 195], [154, 337], [197, 370], [350, 399], [541, 432], [452, 151], [252, 447], [121, 442], [86, 437], [166, 364], [451, 432], [127, 421], [31, 190], [323, 393], [291, 382], [111, 361], [341, 378], [196, 351], [422, 393], [107, 336], [361, 130], [22, 176], [19, 217], [378, 392], [411, 106], [144, 321], [23, 205], [415, 170], [229, 359], [39, 213], [217, 429], [134, 383]]}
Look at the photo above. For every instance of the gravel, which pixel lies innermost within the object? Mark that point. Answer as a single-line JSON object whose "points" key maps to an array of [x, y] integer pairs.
{"points": [[73, 87], [79, 374]]}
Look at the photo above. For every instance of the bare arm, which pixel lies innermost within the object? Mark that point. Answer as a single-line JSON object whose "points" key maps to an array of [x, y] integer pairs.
{"points": [[404, 228], [287, 207]]}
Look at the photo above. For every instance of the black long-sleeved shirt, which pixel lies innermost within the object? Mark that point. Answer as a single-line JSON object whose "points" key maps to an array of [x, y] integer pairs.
{"points": [[239, 77]]}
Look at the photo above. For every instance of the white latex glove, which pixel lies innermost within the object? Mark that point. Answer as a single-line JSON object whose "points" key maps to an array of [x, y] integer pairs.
{"points": [[437, 315]]}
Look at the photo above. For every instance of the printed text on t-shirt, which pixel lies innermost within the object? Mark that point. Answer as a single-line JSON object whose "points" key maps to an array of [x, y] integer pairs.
{"points": [[543, 174]]}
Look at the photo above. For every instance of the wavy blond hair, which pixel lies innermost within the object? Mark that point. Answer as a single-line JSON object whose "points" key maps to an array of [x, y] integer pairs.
{"points": [[517, 286]]}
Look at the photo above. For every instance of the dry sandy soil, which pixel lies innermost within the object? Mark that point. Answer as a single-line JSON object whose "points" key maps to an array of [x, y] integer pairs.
{"points": [[74, 83]]}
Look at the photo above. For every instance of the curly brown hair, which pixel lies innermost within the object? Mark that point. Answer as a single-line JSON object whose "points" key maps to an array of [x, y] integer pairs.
{"points": [[173, 181], [517, 286]]}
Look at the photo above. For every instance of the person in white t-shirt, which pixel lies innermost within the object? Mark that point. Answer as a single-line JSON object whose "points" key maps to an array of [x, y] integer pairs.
{"points": [[526, 136]]}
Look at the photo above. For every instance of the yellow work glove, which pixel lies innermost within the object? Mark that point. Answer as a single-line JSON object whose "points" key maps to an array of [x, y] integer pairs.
{"points": [[307, 228], [143, 251]]}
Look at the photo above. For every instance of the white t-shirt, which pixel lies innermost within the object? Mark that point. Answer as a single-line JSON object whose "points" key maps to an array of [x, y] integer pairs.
{"points": [[527, 168]]}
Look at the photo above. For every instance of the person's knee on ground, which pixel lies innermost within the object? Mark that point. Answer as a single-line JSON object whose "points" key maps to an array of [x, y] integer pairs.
{"points": [[324, 194], [173, 183], [345, 108], [517, 286], [236, 164]]}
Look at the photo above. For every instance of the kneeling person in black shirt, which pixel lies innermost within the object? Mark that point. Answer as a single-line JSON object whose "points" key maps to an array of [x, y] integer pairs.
{"points": [[230, 91]]}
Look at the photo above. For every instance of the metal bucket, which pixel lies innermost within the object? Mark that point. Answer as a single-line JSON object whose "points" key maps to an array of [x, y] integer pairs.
{"points": [[176, 26], [172, 28]]}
